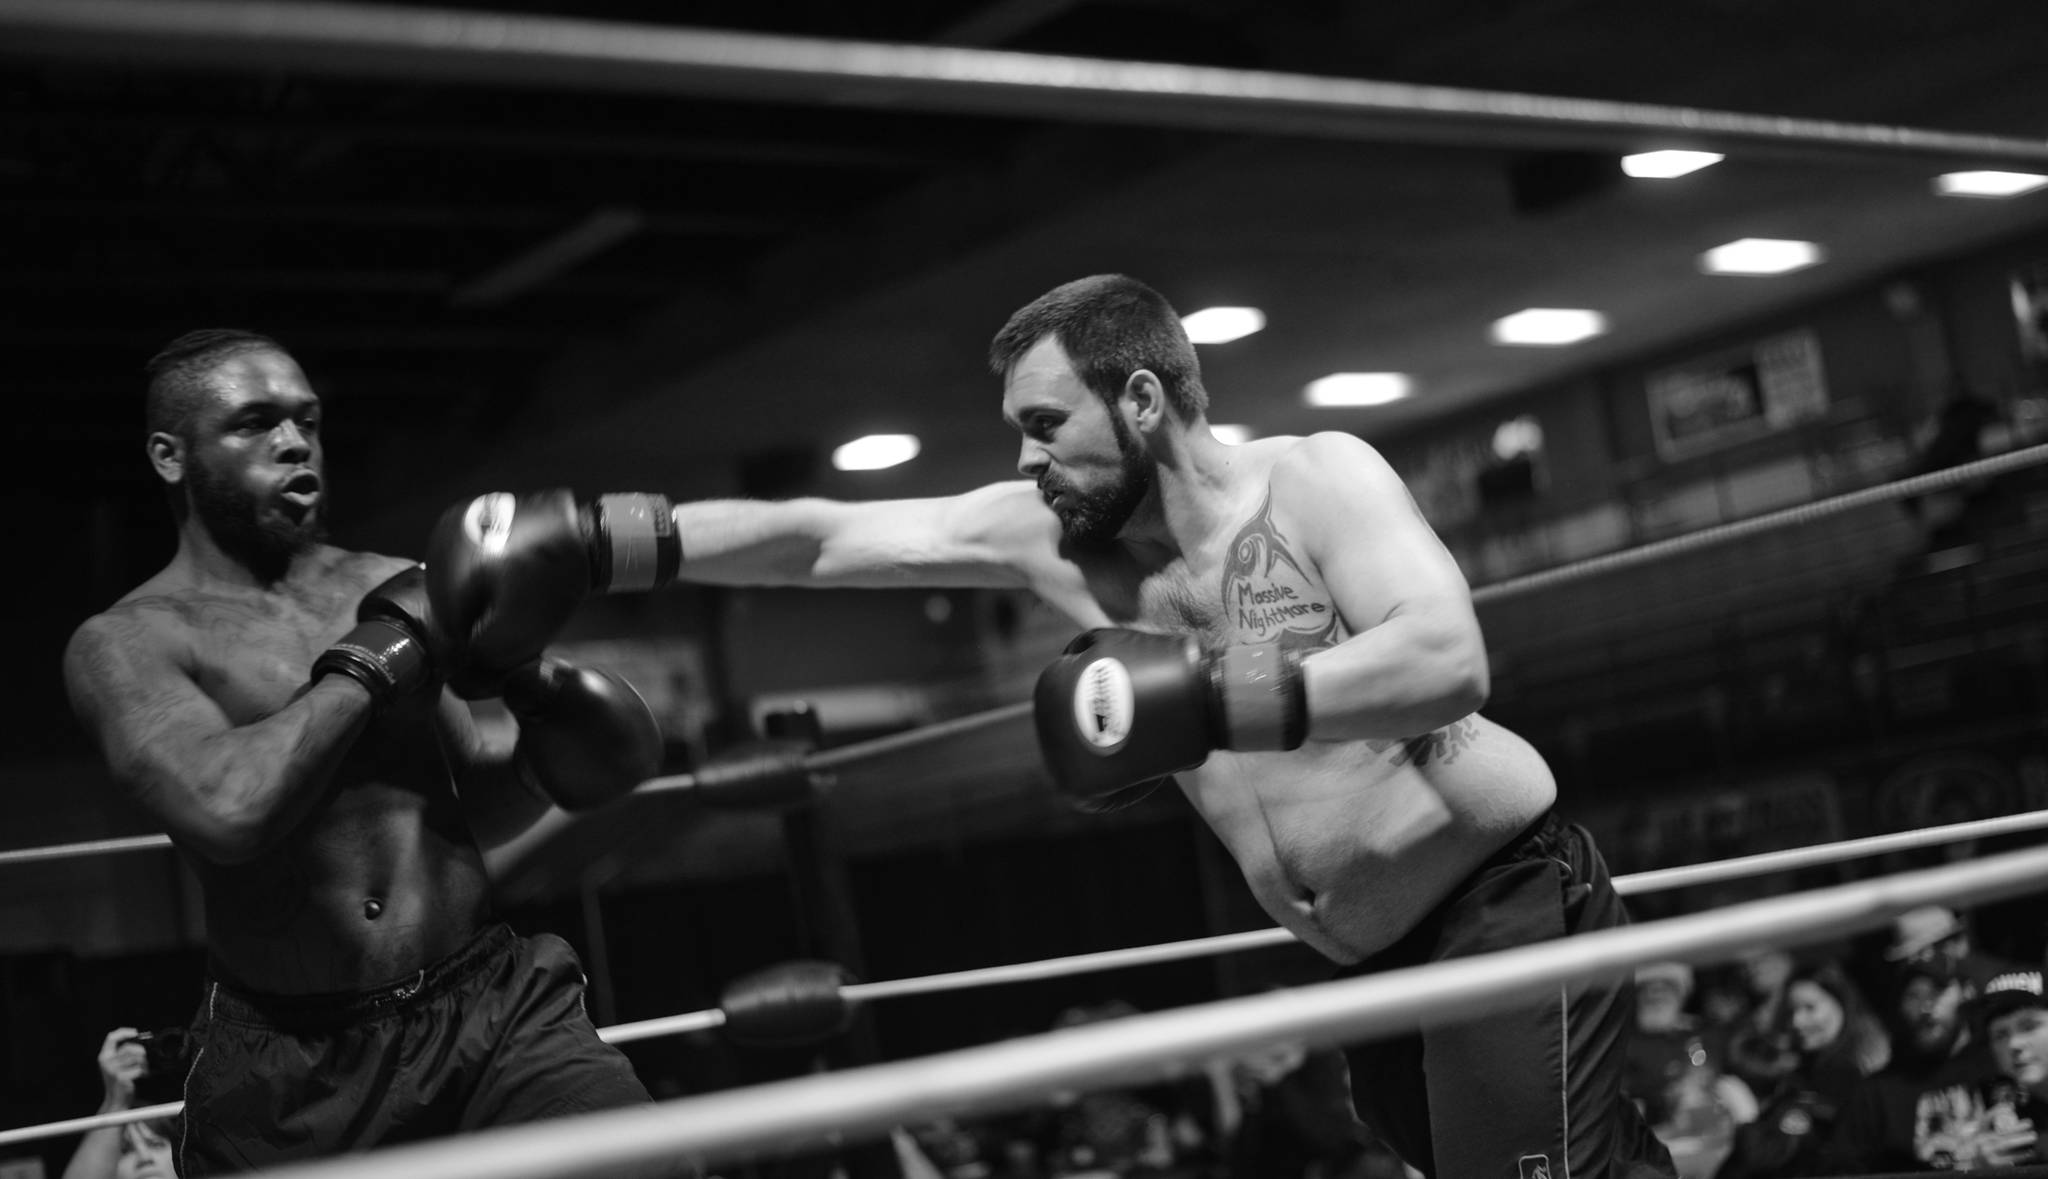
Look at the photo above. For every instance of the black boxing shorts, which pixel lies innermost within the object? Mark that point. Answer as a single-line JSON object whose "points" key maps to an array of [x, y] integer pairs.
{"points": [[1532, 1092], [491, 1035]]}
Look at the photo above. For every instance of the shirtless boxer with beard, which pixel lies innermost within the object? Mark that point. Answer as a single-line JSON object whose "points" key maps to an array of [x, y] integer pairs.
{"points": [[1273, 624]]}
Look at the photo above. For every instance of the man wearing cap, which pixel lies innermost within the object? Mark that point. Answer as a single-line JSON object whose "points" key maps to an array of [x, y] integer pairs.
{"points": [[1940, 934], [1991, 1123], [1933, 1050]]}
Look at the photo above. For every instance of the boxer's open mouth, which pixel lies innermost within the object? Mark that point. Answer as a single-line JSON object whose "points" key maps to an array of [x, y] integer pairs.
{"points": [[302, 489]]}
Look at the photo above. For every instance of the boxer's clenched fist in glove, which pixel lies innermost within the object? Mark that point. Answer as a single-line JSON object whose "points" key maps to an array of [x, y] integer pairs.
{"points": [[506, 571], [1122, 707]]}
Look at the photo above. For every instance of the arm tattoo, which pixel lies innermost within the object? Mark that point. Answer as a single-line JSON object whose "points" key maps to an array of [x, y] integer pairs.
{"points": [[1442, 746], [1268, 596]]}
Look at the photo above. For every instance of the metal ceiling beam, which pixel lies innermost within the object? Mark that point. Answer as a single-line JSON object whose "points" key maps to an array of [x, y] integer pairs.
{"points": [[446, 46], [521, 138], [318, 281], [451, 215]]}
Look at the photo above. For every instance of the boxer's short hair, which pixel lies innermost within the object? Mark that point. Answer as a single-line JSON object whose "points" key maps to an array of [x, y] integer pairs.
{"points": [[177, 374], [1110, 326]]}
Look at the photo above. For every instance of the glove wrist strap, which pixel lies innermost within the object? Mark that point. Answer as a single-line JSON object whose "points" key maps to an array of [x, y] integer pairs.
{"points": [[1261, 695], [380, 656], [634, 546]]}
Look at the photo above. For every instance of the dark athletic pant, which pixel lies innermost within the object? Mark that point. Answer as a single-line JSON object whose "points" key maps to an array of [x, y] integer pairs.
{"points": [[1533, 1092], [493, 1034]]}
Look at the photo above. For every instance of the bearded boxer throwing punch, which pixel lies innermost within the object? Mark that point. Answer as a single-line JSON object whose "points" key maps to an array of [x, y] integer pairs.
{"points": [[1274, 624], [277, 704]]}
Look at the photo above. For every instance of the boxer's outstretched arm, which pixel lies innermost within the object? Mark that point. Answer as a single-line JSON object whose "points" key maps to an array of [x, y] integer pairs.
{"points": [[223, 791], [996, 536], [1415, 661]]}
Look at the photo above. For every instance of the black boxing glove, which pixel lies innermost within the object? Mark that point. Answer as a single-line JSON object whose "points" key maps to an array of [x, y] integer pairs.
{"points": [[394, 649], [585, 736], [1120, 709], [505, 572]]}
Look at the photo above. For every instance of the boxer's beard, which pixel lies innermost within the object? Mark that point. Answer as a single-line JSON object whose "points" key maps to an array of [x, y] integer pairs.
{"points": [[234, 516], [1092, 519]]}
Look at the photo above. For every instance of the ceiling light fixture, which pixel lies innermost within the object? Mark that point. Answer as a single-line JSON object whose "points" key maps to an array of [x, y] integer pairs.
{"points": [[1339, 390], [873, 452], [1664, 165], [1221, 325], [1548, 327], [1231, 434], [1760, 255], [1987, 184]]}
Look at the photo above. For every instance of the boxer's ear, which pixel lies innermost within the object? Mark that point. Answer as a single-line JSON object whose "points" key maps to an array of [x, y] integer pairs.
{"points": [[1144, 398], [167, 455]]}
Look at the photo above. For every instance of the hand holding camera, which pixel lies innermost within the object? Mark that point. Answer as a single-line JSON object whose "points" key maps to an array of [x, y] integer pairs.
{"points": [[131, 1059]]}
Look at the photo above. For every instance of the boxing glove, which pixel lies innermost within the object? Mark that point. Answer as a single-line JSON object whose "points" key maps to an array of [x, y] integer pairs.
{"points": [[585, 736], [394, 649], [1121, 708], [505, 572]]}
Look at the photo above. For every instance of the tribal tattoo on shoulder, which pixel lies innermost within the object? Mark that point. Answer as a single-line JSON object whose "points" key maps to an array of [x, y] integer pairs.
{"points": [[1268, 596], [1442, 746]]}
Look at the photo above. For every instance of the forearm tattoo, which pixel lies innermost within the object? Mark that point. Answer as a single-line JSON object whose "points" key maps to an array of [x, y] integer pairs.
{"points": [[1442, 746]]}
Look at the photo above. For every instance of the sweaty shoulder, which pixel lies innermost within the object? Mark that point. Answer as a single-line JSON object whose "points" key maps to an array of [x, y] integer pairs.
{"points": [[1304, 462], [133, 642]]}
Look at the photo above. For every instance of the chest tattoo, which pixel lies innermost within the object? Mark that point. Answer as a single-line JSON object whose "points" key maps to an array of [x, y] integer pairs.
{"points": [[1268, 595]]}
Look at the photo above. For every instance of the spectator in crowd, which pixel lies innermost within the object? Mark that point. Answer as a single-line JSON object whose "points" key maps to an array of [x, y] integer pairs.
{"points": [[1940, 934], [1992, 1124], [1934, 1049], [1676, 1077], [1286, 1114], [1956, 517], [1126, 1131], [1761, 1048], [136, 1150], [1837, 1042]]}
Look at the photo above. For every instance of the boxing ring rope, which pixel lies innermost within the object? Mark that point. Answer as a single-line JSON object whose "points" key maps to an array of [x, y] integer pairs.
{"points": [[1898, 489], [443, 46], [1141, 1049], [143, 1113], [91, 847], [1022, 972]]}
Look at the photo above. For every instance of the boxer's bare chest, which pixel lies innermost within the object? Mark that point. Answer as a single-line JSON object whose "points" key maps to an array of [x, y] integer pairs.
{"points": [[1247, 581], [250, 653]]}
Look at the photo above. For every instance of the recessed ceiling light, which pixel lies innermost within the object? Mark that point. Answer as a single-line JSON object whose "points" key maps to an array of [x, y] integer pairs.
{"points": [[1760, 255], [1987, 184], [1232, 433], [1221, 325], [873, 452], [1663, 165], [1349, 389], [1548, 326]]}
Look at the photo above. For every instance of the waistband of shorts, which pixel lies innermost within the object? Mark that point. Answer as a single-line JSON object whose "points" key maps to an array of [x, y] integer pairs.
{"points": [[1543, 839], [228, 1001]]}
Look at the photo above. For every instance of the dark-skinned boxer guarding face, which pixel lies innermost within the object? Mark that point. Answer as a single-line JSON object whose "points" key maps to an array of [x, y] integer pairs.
{"points": [[277, 703]]}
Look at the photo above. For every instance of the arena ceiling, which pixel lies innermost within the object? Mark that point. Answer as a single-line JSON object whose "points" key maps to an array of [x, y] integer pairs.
{"points": [[759, 270]]}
